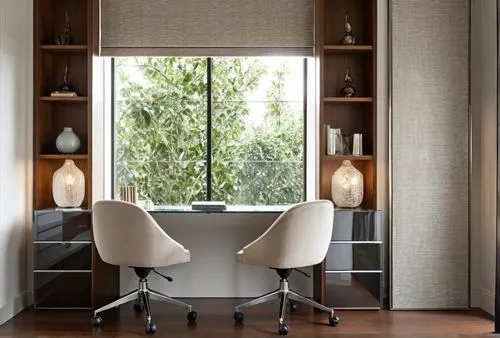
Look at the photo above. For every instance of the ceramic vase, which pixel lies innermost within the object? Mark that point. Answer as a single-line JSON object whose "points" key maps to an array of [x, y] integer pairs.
{"points": [[67, 142]]}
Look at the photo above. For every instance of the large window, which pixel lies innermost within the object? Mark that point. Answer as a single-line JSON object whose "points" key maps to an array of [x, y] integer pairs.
{"points": [[222, 129]]}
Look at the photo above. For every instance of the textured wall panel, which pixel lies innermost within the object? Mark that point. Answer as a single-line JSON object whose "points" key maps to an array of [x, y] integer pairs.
{"points": [[430, 154]]}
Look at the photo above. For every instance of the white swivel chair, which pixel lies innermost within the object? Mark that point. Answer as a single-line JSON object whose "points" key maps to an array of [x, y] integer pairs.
{"points": [[125, 234], [299, 237]]}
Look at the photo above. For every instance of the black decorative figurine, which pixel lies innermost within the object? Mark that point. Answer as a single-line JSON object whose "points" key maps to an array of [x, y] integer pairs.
{"points": [[348, 90], [65, 38], [348, 38], [65, 89]]}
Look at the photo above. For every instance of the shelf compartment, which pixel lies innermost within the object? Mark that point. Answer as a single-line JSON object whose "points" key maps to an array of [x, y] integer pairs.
{"points": [[342, 49], [63, 156], [360, 66], [349, 157], [361, 16], [43, 181], [52, 20], [54, 66], [65, 49], [367, 168], [334, 99]]}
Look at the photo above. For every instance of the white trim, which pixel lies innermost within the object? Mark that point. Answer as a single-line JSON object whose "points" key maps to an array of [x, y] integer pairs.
{"points": [[9, 310], [484, 299]]}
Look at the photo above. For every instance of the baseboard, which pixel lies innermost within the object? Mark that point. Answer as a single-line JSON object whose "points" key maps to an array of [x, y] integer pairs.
{"points": [[9, 310], [484, 299]]}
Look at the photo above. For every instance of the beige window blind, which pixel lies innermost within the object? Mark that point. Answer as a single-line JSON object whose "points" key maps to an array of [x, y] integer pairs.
{"points": [[206, 27]]}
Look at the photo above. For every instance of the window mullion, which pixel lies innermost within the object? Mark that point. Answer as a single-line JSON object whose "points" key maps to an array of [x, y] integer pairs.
{"points": [[209, 129]]}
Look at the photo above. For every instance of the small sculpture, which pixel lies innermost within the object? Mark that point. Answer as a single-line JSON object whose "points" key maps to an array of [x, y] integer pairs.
{"points": [[65, 89], [65, 38], [348, 38], [348, 90]]}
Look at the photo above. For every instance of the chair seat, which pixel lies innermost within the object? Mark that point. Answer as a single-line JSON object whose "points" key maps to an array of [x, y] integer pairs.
{"points": [[175, 257]]}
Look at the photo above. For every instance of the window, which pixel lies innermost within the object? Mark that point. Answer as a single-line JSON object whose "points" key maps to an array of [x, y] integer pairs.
{"points": [[224, 129]]}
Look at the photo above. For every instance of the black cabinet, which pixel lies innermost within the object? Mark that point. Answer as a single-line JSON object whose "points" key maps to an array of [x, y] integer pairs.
{"points": [[354, 264], [62, 259]]}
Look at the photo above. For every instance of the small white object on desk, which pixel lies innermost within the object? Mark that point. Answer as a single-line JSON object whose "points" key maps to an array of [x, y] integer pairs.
{"points": [[208, 205]]}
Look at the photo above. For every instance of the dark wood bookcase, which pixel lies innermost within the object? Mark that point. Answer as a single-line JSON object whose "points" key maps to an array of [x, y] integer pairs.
{"points": [[357, 114], [52, 114]]}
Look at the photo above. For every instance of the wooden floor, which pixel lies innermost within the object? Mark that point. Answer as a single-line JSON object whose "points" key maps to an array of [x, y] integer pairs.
{"points": [[215, 319]]}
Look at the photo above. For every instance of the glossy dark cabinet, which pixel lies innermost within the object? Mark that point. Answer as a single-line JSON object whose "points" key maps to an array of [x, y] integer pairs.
{"points": [[63, 290], [62, 259], [354, 261]]}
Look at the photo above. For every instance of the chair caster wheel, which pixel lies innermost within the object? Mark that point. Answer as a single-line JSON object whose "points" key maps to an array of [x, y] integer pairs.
{"points": [[150, 328], [283, 329], [138, 307], [334, 320], [96, 321], [293, 307], [238, 317], [192, 315]]}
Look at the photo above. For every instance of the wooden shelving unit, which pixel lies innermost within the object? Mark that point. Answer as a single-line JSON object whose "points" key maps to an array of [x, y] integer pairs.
{"points": [[52, 114], [352, 115]]}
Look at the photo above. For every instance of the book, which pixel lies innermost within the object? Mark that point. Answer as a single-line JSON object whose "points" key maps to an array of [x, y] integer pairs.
{"points": [[208, 205]]}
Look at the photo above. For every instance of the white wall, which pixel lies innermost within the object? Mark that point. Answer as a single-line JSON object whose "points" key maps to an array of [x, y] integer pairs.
{"points": [[15, 152], [484, 152], [213, 240]]}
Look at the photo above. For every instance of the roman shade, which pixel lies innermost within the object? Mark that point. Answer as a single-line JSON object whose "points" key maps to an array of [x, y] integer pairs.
{"points": [[206, 27]]}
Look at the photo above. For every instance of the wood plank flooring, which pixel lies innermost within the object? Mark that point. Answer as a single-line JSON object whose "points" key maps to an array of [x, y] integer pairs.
{"points": [[215, 319]]}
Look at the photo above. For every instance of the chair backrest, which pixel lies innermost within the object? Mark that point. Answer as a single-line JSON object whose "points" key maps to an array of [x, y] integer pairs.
{"points": [[126, 234], [299, 237]]}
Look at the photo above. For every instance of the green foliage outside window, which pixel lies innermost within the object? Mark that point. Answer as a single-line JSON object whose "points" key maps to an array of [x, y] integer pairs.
{"points": [[160, 133]]}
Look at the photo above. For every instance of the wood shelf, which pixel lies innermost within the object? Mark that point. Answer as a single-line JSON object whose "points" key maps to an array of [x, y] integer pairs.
{"points": [[64, 99], [64, 156], [348, 99], [342, 49], [65, 49], [348, 157]]}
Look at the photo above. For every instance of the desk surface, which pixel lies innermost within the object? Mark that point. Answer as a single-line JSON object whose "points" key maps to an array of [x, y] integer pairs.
{"points": [[229, 209]]}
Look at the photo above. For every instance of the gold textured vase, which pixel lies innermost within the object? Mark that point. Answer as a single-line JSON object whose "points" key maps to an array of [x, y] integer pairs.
{"points": [[347, 186]]}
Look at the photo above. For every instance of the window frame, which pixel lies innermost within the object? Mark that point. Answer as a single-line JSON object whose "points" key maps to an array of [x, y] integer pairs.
{"points": [[209, 114]]}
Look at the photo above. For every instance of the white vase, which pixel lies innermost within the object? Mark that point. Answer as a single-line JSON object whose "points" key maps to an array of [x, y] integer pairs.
{"points": [[68, 185], [347, 186], [67, 142]]}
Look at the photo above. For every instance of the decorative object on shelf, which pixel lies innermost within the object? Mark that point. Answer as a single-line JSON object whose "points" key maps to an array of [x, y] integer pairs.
{"points": [[65, 90], [65, 38], [335, 143], [347, 186], [357, 144], [68, 185], [347, 144], [67, 142], [128, 194], [348, 90], [348, 38]]}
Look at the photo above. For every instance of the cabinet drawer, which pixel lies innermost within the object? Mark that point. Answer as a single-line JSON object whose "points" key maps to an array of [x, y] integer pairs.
{"points": [[62, 289], [349, 225], [63, 256], [62, 226], [353, 256], [353, 290]]}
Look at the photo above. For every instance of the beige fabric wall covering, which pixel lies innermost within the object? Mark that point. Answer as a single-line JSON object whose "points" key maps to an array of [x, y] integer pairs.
{"points": [[430, 131], [200, 27]]}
